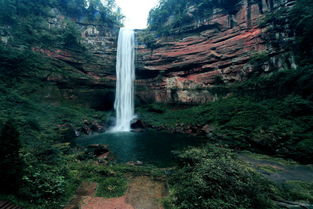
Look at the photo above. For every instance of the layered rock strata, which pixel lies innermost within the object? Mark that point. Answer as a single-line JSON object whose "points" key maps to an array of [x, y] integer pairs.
{"points": [[196, 57]]}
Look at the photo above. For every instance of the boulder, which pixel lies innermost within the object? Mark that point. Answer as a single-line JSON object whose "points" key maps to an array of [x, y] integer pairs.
{"points": [[207, 129], [138, 124], [86, 130], [97, 127], [99, 149], [135, 163]]}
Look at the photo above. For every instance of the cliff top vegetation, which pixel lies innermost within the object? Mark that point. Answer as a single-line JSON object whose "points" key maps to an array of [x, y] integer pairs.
{"points": [[175, 13]]}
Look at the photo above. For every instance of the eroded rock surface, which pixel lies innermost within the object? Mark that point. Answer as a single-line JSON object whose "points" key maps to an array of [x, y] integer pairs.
{"points": [[201, 55]]}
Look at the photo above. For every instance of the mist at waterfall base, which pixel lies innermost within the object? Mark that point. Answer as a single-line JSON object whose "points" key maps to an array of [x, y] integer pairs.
{"points": [[125, 77]]}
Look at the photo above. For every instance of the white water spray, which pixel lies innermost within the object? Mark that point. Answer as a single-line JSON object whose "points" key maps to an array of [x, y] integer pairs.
{"points": [[125, 76]]}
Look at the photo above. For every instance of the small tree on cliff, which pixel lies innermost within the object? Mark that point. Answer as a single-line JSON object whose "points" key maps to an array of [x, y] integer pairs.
{"points": [[10, 162]]}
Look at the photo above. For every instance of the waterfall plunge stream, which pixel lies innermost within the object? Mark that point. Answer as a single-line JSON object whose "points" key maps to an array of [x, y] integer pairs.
{"points": [[125, 76]]}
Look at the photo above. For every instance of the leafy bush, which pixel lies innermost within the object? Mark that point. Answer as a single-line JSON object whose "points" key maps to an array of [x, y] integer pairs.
{"points": [[278, 84], [298, 190], [149, 39], [212, 177], [46, 178], [301, 20], [296, 25], [259, 58]]}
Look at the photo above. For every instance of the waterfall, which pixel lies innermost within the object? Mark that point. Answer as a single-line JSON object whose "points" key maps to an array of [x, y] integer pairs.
{"points": [[125, 76]]}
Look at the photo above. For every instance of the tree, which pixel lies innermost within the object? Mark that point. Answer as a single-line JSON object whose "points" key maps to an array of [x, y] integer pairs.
{"points": [[74, 8], [175, 13], [10, 162], [301, 19], [7, 11]]}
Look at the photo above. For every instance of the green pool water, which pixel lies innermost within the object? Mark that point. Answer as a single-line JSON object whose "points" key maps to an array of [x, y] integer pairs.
{"points": [[149, 147]]}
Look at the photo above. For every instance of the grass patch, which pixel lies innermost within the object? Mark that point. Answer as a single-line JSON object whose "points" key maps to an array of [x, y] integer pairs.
{"points": [[111, 187], [298, 190]]}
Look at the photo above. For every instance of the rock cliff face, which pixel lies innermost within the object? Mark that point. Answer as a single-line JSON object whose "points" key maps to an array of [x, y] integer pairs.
{"points": [[85, 77], [217, 50], [181, 69]]}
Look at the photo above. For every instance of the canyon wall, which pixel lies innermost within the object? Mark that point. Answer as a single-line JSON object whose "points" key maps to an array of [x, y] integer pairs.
{"points": [[185, 65], [181, 68], [84, 76]]}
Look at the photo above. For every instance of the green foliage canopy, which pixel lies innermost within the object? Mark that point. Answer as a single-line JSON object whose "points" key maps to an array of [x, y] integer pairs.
{"points": [[174, 13]]}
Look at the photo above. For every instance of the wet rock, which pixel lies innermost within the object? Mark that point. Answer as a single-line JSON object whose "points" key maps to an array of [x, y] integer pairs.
{"points": [[77, 132], [138, 124], [188, 131], [103, 158], [86, 122], [293, 205], [86, 130], [97, 145], [96, 127], [137, 130], [99, 149], [207, 129], [135, 163]]}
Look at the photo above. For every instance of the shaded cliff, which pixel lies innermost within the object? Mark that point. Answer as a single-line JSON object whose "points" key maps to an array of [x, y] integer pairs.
{"points": [[181, 66], [56, 68], [86, 76], [73, 47], [221, 49]]}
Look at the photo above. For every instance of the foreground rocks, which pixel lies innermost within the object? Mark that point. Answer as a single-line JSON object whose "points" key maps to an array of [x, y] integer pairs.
{"points": [[86, 128], [100, 151]]}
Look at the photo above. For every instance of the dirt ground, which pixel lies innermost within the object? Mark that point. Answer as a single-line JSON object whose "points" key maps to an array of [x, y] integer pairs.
{"points": [[143, 193]]}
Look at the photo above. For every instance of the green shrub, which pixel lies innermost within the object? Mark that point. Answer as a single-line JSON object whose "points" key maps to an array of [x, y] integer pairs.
{"points": [[298, 190], [259, 58], [278, 84], [46, 177], [149, 39], [212, 177], [296, 23]]}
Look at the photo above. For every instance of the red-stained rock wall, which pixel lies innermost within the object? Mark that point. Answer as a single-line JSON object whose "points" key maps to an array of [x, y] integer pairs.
{"points": [[184, 66], [194, 58]]}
